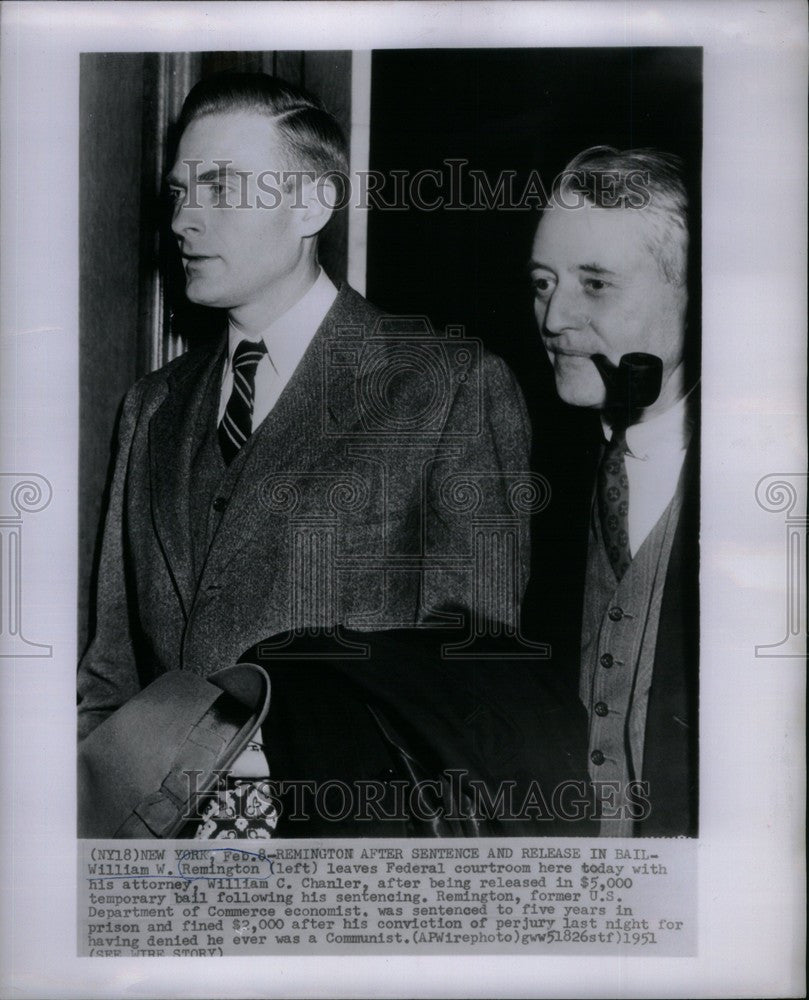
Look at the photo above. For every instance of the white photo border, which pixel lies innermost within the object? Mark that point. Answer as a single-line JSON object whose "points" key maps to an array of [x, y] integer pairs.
{"points": [[751, 867]]}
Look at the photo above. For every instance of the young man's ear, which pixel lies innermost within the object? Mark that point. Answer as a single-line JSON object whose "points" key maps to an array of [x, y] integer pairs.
{"points": [[314, 203]]}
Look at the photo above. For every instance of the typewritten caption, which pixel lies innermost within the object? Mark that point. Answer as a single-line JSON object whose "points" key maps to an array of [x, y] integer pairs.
{"points": [[166, 898]]}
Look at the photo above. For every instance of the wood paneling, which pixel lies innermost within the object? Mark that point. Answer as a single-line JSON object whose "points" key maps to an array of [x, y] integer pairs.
{"points": [[110, 109]]}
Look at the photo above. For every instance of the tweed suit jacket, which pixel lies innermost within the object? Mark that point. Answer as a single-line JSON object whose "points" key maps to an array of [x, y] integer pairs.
{"points": [[355, 503]]}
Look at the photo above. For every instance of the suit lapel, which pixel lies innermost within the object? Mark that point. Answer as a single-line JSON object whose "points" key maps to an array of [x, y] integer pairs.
{"points": [[300, 427], [173, 437], [671, 743]]}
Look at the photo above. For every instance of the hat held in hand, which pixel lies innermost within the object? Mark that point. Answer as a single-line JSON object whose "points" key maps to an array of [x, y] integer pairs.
{"points": [[133, 780]]}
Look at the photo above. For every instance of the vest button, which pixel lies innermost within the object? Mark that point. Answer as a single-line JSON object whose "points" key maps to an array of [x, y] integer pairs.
{"points": [[597, 757], [219, 504], [607, 660], [601, 709], [616, 614]]}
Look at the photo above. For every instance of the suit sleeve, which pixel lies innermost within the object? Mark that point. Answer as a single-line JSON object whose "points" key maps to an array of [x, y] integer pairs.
{"points": [[477, 516], [107, 675]]}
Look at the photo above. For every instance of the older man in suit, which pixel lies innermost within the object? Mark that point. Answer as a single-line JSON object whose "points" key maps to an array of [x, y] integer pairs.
{"points": [[618, 566], [314, 469]]}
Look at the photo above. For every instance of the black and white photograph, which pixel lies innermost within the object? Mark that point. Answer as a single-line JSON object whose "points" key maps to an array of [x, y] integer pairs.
{"points": [[404, 461], [371, 470]]}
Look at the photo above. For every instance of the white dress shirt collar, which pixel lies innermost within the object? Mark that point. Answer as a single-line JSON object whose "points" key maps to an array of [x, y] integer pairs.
{"points": [[288, 336], [655, 453], [669, 431], [286, 340]]}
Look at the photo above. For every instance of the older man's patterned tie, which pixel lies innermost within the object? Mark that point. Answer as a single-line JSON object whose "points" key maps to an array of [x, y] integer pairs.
{"points": [[613, 503], [236, 425]]}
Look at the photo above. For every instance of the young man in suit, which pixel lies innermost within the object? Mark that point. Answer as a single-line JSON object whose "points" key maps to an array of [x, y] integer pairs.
{"points": [[609, 270], [305, 473]]}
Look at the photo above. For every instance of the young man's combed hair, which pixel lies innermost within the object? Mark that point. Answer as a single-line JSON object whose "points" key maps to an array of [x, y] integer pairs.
{"points": [[310, 135]]}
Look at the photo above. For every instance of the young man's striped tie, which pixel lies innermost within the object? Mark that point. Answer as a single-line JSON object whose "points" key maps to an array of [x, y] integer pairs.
{"points": [[236, 425]]}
